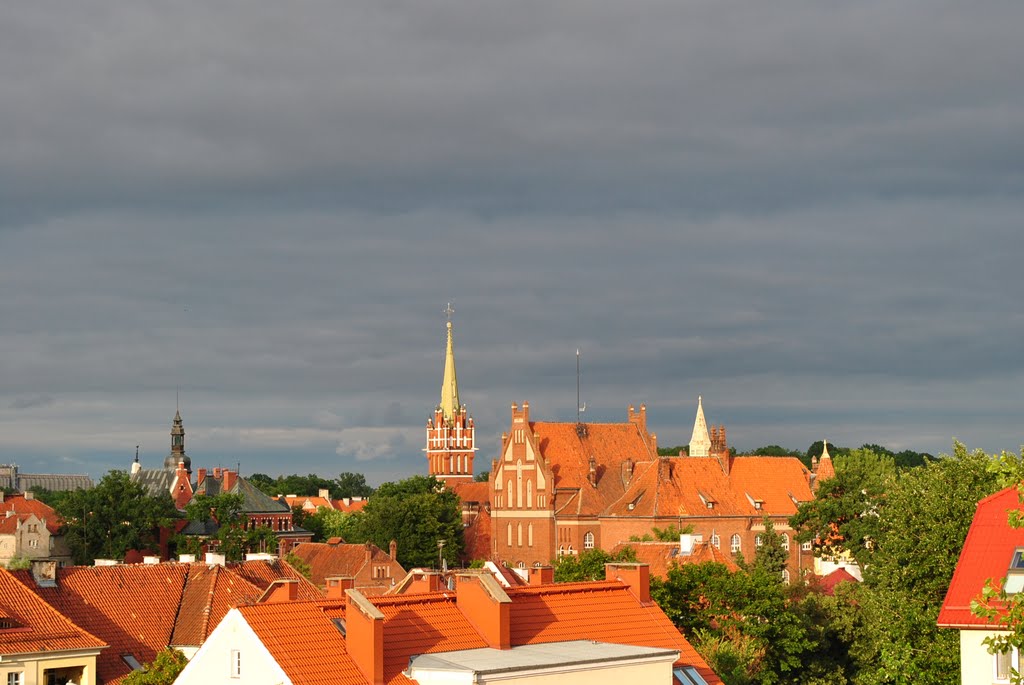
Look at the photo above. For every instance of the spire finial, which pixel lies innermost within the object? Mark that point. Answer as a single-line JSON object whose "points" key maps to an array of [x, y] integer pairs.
{"points": [[449, 385], [700, 441]]}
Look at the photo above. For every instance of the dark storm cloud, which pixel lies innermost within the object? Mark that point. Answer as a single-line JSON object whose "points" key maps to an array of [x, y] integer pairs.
{"points": [[808, 214]]}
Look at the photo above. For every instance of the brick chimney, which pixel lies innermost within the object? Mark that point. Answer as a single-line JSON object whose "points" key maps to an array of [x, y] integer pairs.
{"points": [[336, 586], [200, 476], [281, 590], [369, 551], [425, 581], [486, 606], [542, 575], [637, 577], [364, 636], [393, 550], [230, 478]]}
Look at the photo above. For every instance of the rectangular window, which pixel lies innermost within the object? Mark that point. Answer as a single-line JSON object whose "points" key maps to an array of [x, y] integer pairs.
{"points": [[236, 663], [1003, 663], [14, 678]]}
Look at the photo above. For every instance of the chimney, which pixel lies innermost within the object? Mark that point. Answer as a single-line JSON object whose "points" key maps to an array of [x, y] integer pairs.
{"points": [[369, 551], [364, 636], [346, 500], [281, 590], [425, 581], [486, 606], [30, 495], [592, 472], [150, 560], [216, 472], [336, 586], [324, 493], [230, 478], [542, 575], [636, 577], [200, 476], [187, 558], [214, 559], [44, 572], [104, 562], [393, 550]]}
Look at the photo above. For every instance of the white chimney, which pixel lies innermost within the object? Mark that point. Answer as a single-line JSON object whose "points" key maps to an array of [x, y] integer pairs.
{"points": [[150, 560], [187, 558], [260, 556], [214, 559], [104, 562]]}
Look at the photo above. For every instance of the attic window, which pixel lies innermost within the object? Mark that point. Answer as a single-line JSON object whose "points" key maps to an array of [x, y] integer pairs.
{"points": [[708, 502], [688, 675], [6, 623], [339, 623], [1015, 574], [132, 662]]}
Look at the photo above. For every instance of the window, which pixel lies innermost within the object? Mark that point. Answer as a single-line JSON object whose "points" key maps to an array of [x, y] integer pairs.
{"points": [[519, 534], [236, 663], [1003, 664], [688, 675], [785, 576], [806, 546], [529, 535], [510, 535], [734, 543], [758, 541], [14, 678], [716, 541], [785, 542], [588, 541]]}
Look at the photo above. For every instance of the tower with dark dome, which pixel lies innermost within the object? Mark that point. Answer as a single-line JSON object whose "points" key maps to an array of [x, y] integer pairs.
{"points": [[177, 455]]}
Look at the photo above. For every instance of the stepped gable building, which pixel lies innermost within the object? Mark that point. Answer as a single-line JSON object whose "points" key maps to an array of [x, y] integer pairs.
{"points": [[559, 488]]}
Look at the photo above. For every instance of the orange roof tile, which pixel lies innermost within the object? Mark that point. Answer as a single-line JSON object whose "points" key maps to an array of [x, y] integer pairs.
{"points": [[568, 455], [351, 506], [987, 554], [304, 643], [605, 611], [661, 556], [263, 573], [19, 504], [344, 559], [472, 491], [34, 625]]}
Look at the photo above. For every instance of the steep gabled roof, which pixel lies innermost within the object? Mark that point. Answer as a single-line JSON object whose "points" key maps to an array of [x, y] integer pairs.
{"points": [[986, 555], [262, 573], [567, 449], [344, 559], [31, 625], [304, 643], [19, 504]]}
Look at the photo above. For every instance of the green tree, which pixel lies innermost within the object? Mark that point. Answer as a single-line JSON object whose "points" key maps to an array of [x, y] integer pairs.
{"points": [[233, 537], [163, 670], [482, 477], [115, 516], [350, 484], [299, 564], [670, 533], [922, 524], [774, 451], [417, 513], [588, 565], [843, 516]]}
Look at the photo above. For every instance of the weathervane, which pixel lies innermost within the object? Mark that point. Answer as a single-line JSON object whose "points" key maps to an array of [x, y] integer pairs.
{"points": [[448, 311]]}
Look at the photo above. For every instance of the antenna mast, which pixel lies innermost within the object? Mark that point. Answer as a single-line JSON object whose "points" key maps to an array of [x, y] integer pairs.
{"points": [[580, 408]]}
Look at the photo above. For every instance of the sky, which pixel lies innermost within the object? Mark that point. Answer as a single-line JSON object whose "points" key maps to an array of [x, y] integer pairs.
{"points": [[809, 214]]}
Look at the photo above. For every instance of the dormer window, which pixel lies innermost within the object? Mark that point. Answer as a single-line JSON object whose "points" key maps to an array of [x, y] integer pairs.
{"points": [[1015, 574], [706, 500]]}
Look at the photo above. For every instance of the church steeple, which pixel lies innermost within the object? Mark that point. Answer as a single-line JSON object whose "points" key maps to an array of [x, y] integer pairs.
{"points": [[177, 455], [451, 436], [450, 404], [700, 441]]}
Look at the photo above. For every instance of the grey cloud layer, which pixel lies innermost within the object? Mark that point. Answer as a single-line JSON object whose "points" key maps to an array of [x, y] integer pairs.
{"points": [[811, 215]]}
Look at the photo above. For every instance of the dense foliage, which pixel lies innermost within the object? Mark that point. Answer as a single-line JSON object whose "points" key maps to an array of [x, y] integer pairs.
{"points": [[232, 538], [347, 484], [112, 518], [588, 565], [163, 670]]}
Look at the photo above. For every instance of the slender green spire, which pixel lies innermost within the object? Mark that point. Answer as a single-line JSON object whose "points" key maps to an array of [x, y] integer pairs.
{"points": [[450, 385]]}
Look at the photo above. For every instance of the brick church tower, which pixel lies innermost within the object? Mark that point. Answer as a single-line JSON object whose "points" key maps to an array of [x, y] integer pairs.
{"points": [[451, 437]]}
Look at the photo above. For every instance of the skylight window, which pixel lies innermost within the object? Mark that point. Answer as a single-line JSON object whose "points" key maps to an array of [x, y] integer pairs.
{"points": [[688, 675], [132, 662]]}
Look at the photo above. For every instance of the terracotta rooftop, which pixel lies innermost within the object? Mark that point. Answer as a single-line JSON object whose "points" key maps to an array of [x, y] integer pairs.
{"points": [[990, 548], [661, 556], [19, 504], [344, 559], [139, 609], [304, 643], [827, 583], [32, 625]]}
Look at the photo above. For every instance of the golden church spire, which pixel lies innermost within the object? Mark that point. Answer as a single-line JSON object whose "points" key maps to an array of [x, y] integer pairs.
{"points": [[450, 404]]}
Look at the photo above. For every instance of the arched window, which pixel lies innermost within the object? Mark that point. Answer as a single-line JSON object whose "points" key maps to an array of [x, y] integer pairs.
{"points": [[519, 534], [510, 535], [716, 541], [588, 541], [561, 550], [529, 535], [759, 540], [785, 542], [734, 543], [785, 576], [570, 550], [521, 564]]}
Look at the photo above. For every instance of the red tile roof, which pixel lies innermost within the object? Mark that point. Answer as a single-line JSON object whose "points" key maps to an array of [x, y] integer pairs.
{"points": [[986, 554], [472, 491], [661, 556], [344, 559], [683, 486], [827, 584], [304, 643], [351, 506], [568, 455], [263, 573], [605, 611], [34, 625], [19, 504], [139, 609]]}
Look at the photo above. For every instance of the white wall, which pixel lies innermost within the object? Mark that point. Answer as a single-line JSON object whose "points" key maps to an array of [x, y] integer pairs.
{"points": [[212, 663], [977, 666]]}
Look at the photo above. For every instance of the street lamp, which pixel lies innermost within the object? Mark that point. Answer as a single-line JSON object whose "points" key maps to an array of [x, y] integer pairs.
{"points": [[440, 559]]}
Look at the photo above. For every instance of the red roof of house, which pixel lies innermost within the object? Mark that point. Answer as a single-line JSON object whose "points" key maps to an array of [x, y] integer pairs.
{"points": [[344, 559], [684, 486], [661, 556], [35, 626], [262, 573], [350, 506], [986, 554], [307, 502], [827, 584], [19, 504], [304, 643], [568, 456], [139, 609]]}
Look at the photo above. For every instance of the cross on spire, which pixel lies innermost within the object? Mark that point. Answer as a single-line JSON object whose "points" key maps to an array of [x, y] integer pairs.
{"points": [[448, 311]]}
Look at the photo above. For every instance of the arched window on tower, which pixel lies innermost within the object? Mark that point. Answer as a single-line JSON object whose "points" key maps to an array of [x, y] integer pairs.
{"points": [[588, 540]]}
